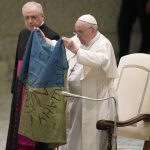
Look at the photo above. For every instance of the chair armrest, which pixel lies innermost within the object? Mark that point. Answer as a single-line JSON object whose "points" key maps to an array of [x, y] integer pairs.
{"points": [[105, 124]]}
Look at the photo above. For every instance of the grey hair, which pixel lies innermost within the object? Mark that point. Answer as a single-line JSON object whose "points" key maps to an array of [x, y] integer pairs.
{"points": [[32, 5], [95, 26]]}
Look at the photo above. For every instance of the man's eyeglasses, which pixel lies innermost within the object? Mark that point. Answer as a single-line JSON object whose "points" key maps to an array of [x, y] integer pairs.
{"points": [[27, 18], [81, 32]]}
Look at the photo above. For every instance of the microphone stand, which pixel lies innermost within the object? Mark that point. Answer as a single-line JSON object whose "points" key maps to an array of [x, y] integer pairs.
{"points": [[114, 145]]}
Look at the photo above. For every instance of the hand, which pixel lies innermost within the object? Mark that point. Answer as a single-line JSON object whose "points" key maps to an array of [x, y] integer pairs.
{"points": [[43, 35], [70, 45], [47, 40]]}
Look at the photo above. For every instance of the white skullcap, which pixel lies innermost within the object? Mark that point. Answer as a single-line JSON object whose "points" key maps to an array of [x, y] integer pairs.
{"points": [[88, 18]]}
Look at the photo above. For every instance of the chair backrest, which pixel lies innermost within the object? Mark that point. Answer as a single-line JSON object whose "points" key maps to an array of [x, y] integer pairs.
{"points": [[133, 89]]}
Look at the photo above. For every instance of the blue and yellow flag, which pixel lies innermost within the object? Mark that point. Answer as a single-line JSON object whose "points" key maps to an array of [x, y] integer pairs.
{"points": [[43, 72]]}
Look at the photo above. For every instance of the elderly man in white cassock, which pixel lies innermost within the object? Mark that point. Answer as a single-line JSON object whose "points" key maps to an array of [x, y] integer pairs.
{"points": [[92, 70]]}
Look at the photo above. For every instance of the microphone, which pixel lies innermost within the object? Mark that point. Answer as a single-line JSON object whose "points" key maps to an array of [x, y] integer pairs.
{"points": [[67, 94]]}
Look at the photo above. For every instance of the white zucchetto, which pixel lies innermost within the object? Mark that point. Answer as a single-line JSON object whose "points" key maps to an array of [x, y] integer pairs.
{"points": [[88, 18]]}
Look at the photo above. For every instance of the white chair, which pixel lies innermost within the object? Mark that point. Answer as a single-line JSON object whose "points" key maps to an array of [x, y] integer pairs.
{"points": [[133, 89]]}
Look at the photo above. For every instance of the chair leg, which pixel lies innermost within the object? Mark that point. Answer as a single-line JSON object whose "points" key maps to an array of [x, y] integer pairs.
{"points": [[109, 132], [146, 145]]}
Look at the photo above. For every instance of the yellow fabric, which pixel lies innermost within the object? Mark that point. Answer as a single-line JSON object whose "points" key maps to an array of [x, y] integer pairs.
{"points": [[43, 115]]}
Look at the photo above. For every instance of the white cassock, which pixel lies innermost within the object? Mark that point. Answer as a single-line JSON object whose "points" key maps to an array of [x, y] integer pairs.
{"points": [[91, 74]]}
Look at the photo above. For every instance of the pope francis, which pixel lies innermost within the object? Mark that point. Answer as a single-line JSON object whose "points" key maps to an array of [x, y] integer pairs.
{"points": [[92, 70]]}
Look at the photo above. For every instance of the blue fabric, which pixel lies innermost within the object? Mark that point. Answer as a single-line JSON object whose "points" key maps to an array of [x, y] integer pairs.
{"points": [[43, 65]]}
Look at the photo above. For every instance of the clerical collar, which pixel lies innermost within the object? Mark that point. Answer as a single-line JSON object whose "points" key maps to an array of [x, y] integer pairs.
{"points": [[41, 26]]}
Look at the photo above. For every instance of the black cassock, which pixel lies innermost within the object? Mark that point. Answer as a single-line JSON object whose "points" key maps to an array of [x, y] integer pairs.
{"points": [[16, 89]]}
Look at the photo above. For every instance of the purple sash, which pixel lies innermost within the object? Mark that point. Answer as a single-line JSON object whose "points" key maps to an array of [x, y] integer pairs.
{"points": [[19, 67], [24, 143]]}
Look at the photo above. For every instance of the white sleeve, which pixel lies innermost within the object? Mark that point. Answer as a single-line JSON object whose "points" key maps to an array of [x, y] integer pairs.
{"points": [[51, 42], [93, 58], [102, 58]]}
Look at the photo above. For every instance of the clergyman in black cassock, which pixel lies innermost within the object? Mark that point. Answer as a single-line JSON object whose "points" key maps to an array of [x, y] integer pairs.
{"points": [[17, 86]]}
